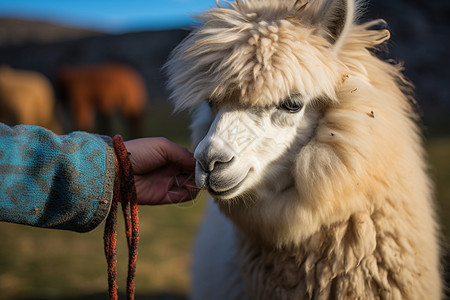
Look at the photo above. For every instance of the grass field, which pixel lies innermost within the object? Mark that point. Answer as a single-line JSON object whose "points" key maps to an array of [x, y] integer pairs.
{"points": [[50, 264], [439, 157]]}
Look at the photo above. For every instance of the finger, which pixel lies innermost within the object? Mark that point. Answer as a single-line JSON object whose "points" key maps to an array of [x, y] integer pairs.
{"points": [[178, 195], [177, 154], [182, 179], [148, 154], [153, 186], [191, 187]]}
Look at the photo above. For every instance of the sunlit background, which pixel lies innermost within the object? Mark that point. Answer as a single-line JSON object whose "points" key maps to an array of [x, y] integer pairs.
{"points": [[50, 37], [113, 16]]}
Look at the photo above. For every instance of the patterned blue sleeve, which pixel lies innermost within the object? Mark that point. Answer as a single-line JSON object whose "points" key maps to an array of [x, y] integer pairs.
{"points": [[63, 182]]}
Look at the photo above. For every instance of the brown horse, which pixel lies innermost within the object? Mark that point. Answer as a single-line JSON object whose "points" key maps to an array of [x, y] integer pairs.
{"points": [[103, 90], [27, 97]]}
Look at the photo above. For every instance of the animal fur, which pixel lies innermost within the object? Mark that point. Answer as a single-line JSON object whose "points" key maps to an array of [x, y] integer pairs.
{"points": [[330, 201], [103, 89], [26, 97]]}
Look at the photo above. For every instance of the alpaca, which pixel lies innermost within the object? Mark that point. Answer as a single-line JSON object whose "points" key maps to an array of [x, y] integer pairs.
{"points": [[103, 89], [26, 97], [309, 147]]}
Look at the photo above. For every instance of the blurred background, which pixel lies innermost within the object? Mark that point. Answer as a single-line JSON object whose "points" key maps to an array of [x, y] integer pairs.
{"points": [[54, 55]]}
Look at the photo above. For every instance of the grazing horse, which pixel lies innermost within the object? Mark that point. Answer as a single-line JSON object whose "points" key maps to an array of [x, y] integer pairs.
{"points": [[27, 97], [103, 90]]}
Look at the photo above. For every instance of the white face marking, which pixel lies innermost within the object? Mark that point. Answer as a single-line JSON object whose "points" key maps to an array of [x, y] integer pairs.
{"points": [[248, 150]]}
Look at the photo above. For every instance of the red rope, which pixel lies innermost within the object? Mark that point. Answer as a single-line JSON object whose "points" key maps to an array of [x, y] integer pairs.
{"points": [[124, 192]]}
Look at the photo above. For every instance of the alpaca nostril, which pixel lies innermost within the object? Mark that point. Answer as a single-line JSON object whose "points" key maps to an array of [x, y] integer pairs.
{"points": [[214, 165], [208, 162]]}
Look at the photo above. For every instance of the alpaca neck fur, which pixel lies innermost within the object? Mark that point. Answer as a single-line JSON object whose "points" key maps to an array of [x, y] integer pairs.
{"points": [[356, 259]]}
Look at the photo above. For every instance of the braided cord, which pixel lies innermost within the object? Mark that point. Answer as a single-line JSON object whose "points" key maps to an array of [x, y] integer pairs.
{"points": [[124, 192]]}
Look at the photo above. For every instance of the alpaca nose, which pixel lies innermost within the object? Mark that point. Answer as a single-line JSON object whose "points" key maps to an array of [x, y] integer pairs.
{"points": [[212, 160]]}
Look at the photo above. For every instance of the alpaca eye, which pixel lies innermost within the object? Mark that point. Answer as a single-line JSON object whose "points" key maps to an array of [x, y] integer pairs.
{"points": [[210, 104], [291, 106]]}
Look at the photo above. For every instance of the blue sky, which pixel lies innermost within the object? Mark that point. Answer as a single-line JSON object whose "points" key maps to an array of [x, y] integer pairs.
{"points": [[114, 16]]}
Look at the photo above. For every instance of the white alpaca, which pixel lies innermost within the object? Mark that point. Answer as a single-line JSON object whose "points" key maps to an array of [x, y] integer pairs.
{"points": [[308, 144]]}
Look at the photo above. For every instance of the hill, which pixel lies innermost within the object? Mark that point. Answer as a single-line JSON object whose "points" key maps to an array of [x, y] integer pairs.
{"points": [[16, 32]]}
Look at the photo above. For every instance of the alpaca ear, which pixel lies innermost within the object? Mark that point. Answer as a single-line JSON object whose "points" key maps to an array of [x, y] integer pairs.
{"points": [[335, 18]]}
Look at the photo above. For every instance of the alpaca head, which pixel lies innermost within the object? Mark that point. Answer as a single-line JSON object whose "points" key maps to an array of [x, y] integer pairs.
{"points": [[259, 75]]}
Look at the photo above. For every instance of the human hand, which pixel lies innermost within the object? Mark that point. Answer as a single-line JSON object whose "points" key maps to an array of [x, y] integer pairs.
{"points": [[163, 171]]}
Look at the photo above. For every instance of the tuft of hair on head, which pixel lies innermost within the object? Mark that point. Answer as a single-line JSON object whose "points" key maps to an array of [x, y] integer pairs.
{"points": [[299, 6], [334, 18]]}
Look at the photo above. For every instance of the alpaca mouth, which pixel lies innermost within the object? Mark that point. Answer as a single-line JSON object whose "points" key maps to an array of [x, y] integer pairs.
{"points": [[230, 190]]}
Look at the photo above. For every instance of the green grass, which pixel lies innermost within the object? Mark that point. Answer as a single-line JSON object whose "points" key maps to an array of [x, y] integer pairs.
{"points": [[439, 157], [50, 264], [53, 264]]}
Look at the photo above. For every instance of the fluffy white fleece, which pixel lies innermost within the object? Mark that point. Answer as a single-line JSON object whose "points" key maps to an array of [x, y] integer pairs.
{"points": [[358, 222]]}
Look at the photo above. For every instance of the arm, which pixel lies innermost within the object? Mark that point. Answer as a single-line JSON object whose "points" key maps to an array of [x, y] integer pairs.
{"points": [[66, 182], [62, 182]]}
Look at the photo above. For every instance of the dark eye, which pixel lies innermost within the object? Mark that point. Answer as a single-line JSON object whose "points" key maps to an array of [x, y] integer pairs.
{"points": [[210, 103], [291, 105]]}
